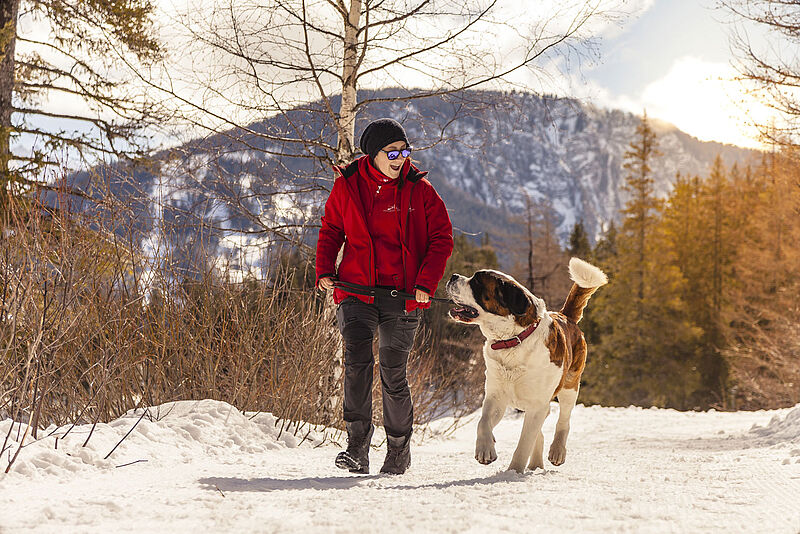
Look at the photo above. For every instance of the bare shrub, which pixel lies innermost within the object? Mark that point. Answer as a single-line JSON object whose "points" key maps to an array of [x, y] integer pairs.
{"points": [[766, 372], [92, 326], [256, 344], [84, 339]]}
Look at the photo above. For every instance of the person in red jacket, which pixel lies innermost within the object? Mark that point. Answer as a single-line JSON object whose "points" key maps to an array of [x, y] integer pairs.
{"points": [[396, 234]]}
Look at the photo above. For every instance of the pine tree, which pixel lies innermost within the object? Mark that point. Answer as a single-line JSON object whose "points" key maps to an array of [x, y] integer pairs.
{"points": [[763, 315], [720, 236], [640, 210], [91, 43], [716, 192], [605, 251], [648, 342], [579, 242], [697, 230]]}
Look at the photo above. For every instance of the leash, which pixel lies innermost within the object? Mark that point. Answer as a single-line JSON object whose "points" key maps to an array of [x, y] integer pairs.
{"points": [[369, 291]]}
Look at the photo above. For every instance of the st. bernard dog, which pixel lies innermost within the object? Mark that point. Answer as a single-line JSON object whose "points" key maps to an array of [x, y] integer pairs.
{"points": [[532, 356]]}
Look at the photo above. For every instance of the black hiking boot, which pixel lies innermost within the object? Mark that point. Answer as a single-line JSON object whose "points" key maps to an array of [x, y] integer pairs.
{"points": [[356, 457], [398, 455]]}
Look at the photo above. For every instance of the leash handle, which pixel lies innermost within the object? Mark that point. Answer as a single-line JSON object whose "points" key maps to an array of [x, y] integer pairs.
{"points": [[369, 291]]}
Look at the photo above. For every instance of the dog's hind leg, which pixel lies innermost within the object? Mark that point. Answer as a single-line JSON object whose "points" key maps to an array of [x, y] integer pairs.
{"points": [[494, 408], [531, 429], [566, 402], [537, 458]]}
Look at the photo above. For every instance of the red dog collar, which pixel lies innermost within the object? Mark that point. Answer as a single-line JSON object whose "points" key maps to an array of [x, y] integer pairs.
{"points": [[516, 340]]}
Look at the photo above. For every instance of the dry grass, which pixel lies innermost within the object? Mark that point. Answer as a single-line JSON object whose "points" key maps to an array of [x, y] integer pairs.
{"points": [[91, 327]]}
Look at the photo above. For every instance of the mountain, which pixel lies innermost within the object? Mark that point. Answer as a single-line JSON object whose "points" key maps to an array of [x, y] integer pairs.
{"points": [[562, 152], [485, 152]]}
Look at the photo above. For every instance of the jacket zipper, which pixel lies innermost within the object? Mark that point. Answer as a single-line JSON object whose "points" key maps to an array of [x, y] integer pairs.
{"points": [[404, 245], [371, 274]]}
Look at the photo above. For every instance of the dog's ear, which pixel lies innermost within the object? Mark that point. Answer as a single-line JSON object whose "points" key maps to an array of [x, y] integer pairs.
{"points": [[514, 298]]}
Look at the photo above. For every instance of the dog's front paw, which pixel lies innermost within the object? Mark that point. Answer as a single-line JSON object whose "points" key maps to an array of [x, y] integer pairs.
{"points": [[484, 450], [558, 453], [558, 449]]}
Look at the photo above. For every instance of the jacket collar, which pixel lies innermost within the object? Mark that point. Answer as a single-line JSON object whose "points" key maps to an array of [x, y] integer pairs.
{"points": [[413, 174]]}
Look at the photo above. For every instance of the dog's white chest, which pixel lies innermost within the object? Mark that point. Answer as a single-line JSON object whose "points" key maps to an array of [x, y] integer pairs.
{"points": [[509, 374], [523, 376]]}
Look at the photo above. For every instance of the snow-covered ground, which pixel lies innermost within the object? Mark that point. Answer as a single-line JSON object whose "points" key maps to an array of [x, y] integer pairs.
{"points": [[204, 467]]}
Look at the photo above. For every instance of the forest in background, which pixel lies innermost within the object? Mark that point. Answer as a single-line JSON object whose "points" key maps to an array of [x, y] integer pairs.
{"points": [[702, 306], [701, 310]]}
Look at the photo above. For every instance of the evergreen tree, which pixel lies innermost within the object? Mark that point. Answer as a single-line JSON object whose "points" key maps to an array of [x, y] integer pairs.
{"points": [[763, 314], [90, 45], [606, 248], [579, 242], [720, 236], [640, 211], [648, 343], [697, 230]]}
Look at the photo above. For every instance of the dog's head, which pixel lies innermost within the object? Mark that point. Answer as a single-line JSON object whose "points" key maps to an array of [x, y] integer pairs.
{"points": [[494, 301]]}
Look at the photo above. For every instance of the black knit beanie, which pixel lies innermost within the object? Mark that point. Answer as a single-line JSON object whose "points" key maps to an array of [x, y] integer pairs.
{"points": [[380, 133]]}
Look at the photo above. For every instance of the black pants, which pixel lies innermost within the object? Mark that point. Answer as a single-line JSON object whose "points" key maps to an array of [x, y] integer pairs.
{"points": [[357, 322]]}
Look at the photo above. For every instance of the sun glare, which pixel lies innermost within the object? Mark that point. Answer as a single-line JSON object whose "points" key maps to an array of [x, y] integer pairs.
{"points": [[704, 100]]}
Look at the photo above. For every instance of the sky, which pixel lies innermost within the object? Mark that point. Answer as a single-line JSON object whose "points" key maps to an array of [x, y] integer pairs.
{"points": [[675, 61], [671, 58]]}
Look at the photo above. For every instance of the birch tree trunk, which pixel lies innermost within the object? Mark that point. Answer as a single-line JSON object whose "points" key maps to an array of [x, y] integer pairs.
{"points": [[345, 152], [347, 111]]}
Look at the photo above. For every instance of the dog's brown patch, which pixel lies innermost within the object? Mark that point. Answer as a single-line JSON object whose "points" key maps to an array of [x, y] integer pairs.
{"points": [[573, 377], [567, 350], [576, 301], [530, 317], [502, 296], [556, 343], [490, 297]]}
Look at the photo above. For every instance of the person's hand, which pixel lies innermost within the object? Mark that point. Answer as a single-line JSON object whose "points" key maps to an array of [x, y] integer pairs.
{"points": [[422, 296], [325, 283]]}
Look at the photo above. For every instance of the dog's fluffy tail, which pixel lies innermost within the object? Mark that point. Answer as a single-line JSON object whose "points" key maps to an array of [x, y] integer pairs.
{"points": [[587, 279]]}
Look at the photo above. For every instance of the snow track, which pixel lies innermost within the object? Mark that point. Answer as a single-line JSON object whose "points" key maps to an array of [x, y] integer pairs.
{"points": [[210, 469]]}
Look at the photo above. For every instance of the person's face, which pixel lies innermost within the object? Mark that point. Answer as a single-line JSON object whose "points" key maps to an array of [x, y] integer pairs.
{"points": [[390, 168]]}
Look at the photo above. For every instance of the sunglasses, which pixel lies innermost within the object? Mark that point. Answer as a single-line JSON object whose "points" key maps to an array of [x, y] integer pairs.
{"points": [[394, 154]]}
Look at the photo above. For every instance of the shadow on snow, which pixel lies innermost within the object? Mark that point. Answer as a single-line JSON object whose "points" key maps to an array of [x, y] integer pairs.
{"points": [[233, 484]]}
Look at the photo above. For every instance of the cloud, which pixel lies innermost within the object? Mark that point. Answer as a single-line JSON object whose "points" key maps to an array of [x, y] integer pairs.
{"points": [[701, 98], [705, 100], [206, 78]]}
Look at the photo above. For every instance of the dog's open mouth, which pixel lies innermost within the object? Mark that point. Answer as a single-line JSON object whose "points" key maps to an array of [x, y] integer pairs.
{"points": [[463, 313]]}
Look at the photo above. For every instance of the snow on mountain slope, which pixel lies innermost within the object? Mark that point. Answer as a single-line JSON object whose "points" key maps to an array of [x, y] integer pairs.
{"points": [[211, 468], [561, 151], [485, 152]]}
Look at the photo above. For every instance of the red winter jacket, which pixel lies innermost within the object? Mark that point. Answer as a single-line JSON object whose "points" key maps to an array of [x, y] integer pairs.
{"points": [[427, 234]]}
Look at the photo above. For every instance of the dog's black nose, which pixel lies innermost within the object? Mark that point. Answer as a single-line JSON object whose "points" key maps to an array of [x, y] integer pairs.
{"points": [[454, 278]]}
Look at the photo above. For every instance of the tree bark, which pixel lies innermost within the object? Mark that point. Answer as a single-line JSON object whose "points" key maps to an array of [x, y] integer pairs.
{"points": [[346, 123], [8, 40]]}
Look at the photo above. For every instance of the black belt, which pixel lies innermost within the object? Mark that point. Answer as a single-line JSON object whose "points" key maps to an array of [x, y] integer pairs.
{"points": [[369, 291]]}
